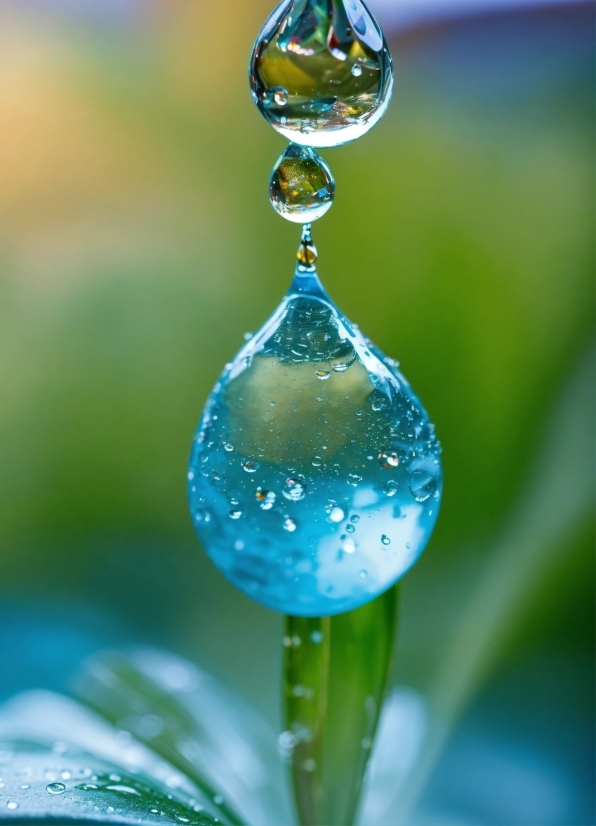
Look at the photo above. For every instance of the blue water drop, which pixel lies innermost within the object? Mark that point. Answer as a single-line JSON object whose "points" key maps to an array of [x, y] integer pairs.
{"points": [[291, 549]]}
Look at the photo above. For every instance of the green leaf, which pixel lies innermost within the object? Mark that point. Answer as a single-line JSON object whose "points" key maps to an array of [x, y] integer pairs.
{"points": [[335, 676]]}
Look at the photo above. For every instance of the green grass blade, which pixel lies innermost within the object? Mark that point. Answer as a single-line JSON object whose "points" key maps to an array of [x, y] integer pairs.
{"points": [[335, 676]]}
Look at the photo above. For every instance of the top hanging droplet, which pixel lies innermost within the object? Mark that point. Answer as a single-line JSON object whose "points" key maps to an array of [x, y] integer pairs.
{"points": [[321, 71]]}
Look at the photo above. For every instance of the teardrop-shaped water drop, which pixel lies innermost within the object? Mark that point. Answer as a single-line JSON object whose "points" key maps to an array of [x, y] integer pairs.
{"points": [[321, 71], [301, 187], [287, 551]]}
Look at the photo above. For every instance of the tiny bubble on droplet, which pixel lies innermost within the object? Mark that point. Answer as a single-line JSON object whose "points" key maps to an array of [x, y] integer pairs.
{"points": [[280, 96], [391, 488], [336, 515], [265, 498], [294, 489]]}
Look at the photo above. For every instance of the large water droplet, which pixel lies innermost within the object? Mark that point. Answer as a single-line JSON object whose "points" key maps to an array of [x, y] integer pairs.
{"points": [[301, 187], [283, 552], [56, 788], [321, 72]]}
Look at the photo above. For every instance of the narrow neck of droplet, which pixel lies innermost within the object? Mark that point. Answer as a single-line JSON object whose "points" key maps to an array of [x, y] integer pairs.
{"points": [[306, 279]]}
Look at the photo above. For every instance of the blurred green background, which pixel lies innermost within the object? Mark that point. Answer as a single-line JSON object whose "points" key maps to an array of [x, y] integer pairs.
{"points": [[137, 246]]}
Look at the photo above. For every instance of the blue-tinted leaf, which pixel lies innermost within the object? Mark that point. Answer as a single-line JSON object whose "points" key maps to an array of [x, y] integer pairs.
{"points": [[45, 778], [197, 725]]}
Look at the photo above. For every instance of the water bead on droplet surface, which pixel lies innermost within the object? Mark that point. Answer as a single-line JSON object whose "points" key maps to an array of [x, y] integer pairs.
{"points": [[313, 471], [424, 476], [301, 187], [294, 489], [321, 72], [388, 460]]}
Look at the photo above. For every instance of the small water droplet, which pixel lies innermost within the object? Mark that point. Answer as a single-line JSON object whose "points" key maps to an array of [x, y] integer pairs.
{"points": [[218, 800], [358, 414], [56, 788], [336, 515], [388, 460], [228, 447], [309, 765], [347, 544], [363, 574], [301, 187], [354, 479], [294, 489], [322, 374], [424, 474], [317, 461], [350, 528], [12, 805], [235, 514], [250, 466], [385, 539], [391, 488], [115, 777], [289, 525], [355, 518], [356, 70], [265, 498], [317, 637], [123, 789]]}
